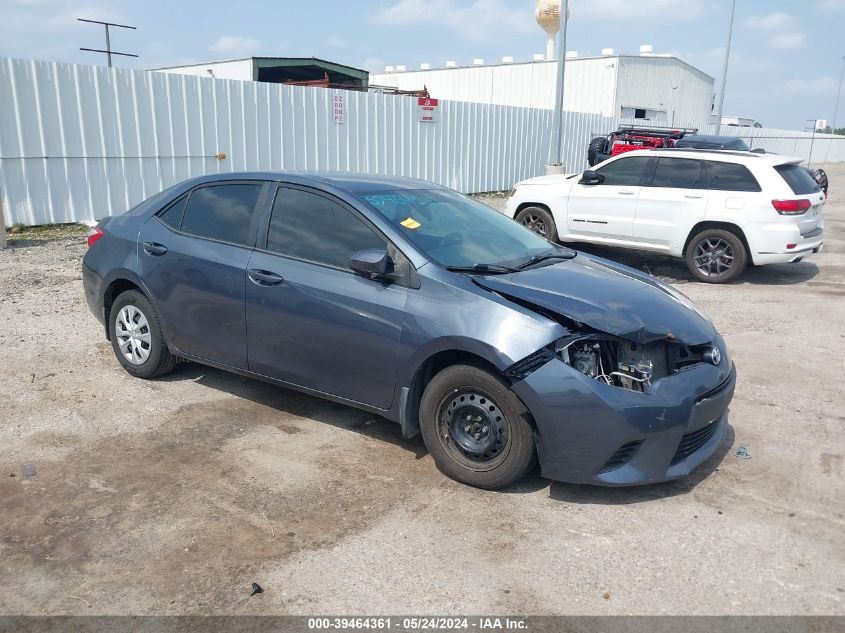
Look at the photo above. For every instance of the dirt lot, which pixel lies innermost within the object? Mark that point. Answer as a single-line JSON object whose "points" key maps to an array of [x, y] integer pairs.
{"points": [[173, 496]]}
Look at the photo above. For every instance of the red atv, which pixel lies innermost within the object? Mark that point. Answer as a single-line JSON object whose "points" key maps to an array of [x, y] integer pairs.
{"points": [[630, 137]]}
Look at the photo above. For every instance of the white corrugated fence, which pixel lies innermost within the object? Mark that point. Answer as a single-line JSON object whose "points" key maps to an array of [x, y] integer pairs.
{"points": [[81, 142]]}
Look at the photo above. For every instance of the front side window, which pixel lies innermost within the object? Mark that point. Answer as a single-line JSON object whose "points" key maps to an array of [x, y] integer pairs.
{"points": [[223, 212], [314, 228], [626, 171], [730, 177], [454, 230], [679, 173]]}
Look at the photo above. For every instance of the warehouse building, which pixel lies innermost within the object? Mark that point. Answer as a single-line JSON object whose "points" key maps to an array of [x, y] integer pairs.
{"points": [[657, 88]]}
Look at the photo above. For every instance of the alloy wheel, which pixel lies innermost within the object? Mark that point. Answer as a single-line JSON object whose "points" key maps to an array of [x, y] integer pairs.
{"points": [[714, 257], [534, 222]]}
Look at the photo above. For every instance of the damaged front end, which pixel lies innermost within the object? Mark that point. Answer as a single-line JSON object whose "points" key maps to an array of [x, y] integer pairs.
{"points": [[612, 411]]}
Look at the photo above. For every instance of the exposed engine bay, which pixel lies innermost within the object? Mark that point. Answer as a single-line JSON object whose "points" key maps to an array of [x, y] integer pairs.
{"points": [[615, 361]]}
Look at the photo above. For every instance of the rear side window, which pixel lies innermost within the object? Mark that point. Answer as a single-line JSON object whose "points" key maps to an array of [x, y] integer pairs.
{"points": [[313, 228], [172, 215], [223, 212], [626, 171], [798, 179], [730, 177], [681, 173]]}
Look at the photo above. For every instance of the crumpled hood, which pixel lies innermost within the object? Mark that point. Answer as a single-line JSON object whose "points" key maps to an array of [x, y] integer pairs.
{"points": [[608, 297]]}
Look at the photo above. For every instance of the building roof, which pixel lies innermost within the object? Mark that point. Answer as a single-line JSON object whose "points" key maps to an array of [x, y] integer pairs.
{"points": [[554, 61], [290, 64]]}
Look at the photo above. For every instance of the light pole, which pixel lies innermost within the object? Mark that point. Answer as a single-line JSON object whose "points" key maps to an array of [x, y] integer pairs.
{"points": [[838, 94], [718, 125], [561, 73]]}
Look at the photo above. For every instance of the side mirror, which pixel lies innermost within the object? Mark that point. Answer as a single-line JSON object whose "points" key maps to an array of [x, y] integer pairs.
{"points": [[591, 177], [372, 262]]}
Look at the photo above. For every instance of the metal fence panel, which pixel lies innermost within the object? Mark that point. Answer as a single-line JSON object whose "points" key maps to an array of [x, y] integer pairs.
{"points": [[78, 142]]}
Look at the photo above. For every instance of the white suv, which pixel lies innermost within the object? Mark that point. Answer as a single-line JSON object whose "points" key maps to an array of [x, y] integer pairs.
{"points": [[719, 210]]}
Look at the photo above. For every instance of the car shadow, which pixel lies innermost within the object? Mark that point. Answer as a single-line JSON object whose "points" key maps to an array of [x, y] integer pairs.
{"points": [[674, 270], [289, 401], [600, 495]]}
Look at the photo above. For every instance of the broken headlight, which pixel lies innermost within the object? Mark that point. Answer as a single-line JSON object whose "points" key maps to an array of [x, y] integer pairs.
{"points": [[614, 361]]}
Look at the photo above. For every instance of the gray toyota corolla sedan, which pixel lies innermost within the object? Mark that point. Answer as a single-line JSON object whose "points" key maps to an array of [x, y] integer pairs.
{"points": [[415, 302]]}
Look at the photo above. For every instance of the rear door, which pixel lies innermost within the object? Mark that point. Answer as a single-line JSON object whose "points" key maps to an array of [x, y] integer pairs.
{"points": [[608, 210], [804, 186], [674, 199], [193, 258], [311, 320]]}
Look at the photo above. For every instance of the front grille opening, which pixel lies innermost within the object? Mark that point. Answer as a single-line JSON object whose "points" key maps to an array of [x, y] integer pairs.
{"points": [[621, 457], [691, 442]]}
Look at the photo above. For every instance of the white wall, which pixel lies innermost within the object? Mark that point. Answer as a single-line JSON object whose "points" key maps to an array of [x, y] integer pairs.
{"points": [[240, 69], [663, 84], [600, 85]]}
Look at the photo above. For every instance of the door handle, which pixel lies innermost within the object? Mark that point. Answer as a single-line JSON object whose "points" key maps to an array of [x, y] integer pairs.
{"points": [[626, 192], [154, 249], [264, 278], [693, 197]]}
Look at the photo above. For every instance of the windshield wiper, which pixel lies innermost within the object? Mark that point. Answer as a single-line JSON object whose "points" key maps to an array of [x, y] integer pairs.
{"points": [[536, 259], [496, 269]]}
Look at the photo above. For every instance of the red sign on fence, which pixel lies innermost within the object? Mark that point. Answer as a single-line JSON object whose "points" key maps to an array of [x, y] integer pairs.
{"points": [[428, 107]]}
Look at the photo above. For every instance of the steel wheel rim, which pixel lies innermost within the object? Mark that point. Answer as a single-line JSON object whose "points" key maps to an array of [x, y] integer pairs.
{"points": [[132, 332], [714, 257], [534, 223], [473, 429]]}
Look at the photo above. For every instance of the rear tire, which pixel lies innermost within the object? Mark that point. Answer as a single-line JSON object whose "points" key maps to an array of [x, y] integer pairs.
{"points": [[136, 337], [476, 429], [716, 256], [597, 147], [538, 220]]}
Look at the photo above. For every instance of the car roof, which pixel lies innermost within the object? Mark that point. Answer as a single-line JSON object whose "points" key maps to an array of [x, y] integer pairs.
{"points": [[729, 155], [350, 182]]}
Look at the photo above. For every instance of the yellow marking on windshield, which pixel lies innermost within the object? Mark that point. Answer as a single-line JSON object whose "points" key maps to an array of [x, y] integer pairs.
{"points": [[410, 223]]}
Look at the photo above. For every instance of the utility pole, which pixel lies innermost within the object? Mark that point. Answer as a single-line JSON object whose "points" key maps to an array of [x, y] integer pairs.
{"points": [[718, 125], [108, 51], [838, 94], [561, 74]]}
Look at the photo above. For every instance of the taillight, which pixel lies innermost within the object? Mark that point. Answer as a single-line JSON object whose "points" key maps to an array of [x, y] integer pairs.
{"points": [[792, 207], [93, 235]]}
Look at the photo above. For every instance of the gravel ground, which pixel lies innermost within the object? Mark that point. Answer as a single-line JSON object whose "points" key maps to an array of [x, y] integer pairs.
{"points": [[172, 496]]}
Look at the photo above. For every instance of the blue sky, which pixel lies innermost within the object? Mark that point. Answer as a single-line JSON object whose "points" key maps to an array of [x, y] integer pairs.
{"points": [[785, 64]]}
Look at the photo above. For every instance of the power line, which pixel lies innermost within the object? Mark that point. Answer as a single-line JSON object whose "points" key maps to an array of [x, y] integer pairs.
{"points": [[108, 51]]}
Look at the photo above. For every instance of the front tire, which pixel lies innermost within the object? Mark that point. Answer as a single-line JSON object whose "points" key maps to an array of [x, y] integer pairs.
{"points": [[476, 429], [136, 337], [538, 220], [716, 256]]}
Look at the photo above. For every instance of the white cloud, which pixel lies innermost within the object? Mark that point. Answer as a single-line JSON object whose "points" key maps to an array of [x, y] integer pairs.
{"points": [[373, 64], [618, 10], [820, 86], [336, 42], [787, 41], [477, 20], [235, 45], [771, 22], [834, 6]]}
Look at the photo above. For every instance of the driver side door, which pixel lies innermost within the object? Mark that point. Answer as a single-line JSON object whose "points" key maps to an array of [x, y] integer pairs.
{"points": [[311, 320], [608, 209]]}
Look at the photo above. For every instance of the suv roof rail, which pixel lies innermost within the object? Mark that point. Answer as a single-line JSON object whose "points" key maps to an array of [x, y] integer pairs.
{"points": [[695, 150]]}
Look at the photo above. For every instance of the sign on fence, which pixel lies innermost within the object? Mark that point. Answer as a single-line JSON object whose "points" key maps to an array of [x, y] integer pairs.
{"points": [[427, 107], [338, 108]]}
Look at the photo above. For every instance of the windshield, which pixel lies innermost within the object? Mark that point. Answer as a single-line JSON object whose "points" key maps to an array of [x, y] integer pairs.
{"points": [[456, 231]]}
